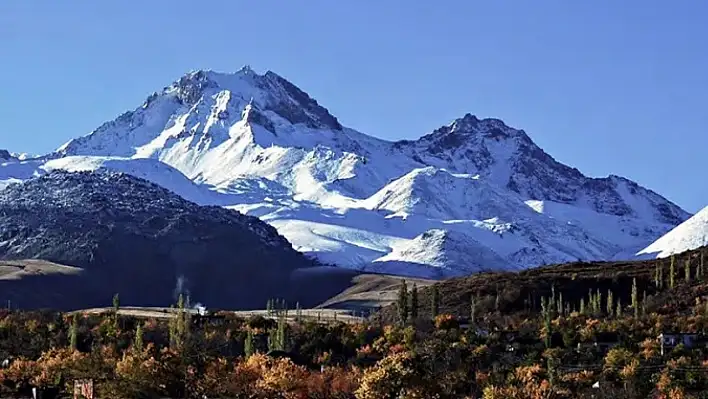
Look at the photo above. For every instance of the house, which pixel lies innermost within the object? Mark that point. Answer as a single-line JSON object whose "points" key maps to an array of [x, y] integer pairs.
{"points": [[208, 319], [602, 341], [670, 340]]}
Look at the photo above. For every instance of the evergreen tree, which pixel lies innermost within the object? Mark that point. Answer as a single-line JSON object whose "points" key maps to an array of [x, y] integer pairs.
{"points": [[671, 273], [610, 304], [74, 332], [635, 299], [403, 303], [435, 305], [414, 302], [138, 343]]}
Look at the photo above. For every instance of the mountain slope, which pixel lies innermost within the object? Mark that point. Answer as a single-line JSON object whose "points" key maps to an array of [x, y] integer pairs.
{"points": [[687, 236], [136, 238], [258, 144]]}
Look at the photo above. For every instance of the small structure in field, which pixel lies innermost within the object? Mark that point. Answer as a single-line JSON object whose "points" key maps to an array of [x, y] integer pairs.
{"points": [[670, 340], [83, 389]]}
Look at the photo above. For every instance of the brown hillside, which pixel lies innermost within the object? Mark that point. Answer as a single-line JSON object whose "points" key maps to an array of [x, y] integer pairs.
{"points": [[521, 292]]}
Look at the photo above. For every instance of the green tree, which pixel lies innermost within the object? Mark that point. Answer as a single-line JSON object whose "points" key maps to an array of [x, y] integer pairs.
{"points": [[277, 339], [414, 302], [179, 325], [435, 300], [403, 303], [610, 304]]}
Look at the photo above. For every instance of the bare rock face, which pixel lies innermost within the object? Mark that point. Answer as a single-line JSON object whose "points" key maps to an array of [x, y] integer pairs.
{"points": [[142, 241], [5, 155]]}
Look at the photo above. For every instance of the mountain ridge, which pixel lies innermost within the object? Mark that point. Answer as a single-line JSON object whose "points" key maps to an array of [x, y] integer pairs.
{"points": [[265, 147]]}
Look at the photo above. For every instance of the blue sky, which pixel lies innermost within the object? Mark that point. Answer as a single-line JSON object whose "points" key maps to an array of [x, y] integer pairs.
{"points": [[610, 87]]}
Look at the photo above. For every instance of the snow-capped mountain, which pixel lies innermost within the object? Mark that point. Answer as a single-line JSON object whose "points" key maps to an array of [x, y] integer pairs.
{"points": [[470, 195], [691, 234]]}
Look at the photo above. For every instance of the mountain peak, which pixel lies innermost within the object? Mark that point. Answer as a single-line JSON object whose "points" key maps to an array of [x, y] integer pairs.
{"points": [[270, 91]]}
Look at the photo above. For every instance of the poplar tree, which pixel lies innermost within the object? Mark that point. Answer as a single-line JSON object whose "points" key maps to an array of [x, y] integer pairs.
{"points": [[687, 269], [619, 307], [414, 302], [582, 305], [435, 301], [635, 299], [248, 344], [610, 304], [644, 303], [74, 332], [116, 308], [473, 309], [701, 264], [403, 303], [138, 343], [671, 273]]}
